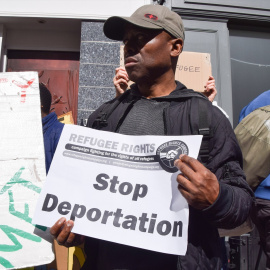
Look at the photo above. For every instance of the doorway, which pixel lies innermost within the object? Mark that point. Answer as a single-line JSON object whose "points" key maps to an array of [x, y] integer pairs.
{"points": [[59, 71]]}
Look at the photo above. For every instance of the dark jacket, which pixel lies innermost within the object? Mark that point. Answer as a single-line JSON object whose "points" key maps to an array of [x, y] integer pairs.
{"points": [[52, 130], [230, 209]]}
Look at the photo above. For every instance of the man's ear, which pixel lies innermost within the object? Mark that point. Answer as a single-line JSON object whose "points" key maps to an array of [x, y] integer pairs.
{"points": [[177, 47]]}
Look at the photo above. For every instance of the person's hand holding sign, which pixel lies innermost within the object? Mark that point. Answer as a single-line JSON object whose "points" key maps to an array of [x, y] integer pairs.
{"points": [[120, 81], [61, 231], [210, 90], [197, 184]]}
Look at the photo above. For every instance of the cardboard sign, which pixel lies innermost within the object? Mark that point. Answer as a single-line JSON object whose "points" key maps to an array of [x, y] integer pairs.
{"points": [[119, 188], [22, 172], [193, 69], [66, 118]]}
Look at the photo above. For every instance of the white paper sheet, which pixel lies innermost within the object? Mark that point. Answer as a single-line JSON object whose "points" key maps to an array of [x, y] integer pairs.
{"points": [[119, 188]]}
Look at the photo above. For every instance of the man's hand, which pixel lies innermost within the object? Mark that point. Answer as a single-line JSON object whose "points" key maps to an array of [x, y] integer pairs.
{"points": [[120, 81], [197, 184], [61, 231], [210, 88]]}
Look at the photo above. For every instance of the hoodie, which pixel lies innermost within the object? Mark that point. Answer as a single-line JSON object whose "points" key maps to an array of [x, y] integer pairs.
{"points": [[52, 130]]}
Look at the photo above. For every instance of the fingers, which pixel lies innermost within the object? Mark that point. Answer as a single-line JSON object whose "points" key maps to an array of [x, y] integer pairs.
{"points": [[66, 234], [120, 72], [210, 84], [186, 188], [120, 87], [210, 88], [119, 69], [188, 165], [185, 185], [120, 81], [74, 240], [197, 184], [56, 228], [61, 231]]}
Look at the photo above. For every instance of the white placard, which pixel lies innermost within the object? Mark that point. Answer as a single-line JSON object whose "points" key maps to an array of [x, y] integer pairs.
{"points": [[119, 188], [22, 172]]}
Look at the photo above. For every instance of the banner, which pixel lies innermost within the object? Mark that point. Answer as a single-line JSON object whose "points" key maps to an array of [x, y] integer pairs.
{"points": [[22, 173], [119, 188]]}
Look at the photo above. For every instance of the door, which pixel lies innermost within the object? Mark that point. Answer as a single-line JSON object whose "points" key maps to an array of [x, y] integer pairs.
{"points": [[59, 71]]}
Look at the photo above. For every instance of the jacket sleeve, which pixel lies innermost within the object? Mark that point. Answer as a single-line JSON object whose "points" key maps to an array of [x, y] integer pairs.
{"points": [[235, 198]]}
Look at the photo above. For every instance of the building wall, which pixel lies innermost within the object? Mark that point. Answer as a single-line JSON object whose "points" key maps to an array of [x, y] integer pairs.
{"points": [[246, 16], [98, 60], [250, 62], [79, 9]]}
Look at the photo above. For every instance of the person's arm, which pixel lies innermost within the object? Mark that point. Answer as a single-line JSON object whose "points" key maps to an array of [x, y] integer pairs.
{"points": [[220, 191]]}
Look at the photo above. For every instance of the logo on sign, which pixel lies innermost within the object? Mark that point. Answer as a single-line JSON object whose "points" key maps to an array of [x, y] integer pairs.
{"points": [[170, 151]]}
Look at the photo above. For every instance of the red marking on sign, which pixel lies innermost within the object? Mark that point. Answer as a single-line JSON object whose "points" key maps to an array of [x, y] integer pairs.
{"points": [[23, 86], [151, 16], [23, 96], [3, 80]]}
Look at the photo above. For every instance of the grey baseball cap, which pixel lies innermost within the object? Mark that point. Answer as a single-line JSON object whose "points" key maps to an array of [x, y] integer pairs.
{"points": [[149, 17]]}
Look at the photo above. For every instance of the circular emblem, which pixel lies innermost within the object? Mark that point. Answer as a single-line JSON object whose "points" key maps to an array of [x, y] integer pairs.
{"points": [[168, 152]]}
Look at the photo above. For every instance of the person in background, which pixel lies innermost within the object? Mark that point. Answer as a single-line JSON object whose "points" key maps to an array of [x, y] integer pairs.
{"points": [[52, 128], [260, 213]]}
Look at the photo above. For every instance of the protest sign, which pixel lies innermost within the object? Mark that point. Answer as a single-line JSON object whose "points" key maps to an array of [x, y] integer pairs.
{"points": [[119, 188], [22, 172]]}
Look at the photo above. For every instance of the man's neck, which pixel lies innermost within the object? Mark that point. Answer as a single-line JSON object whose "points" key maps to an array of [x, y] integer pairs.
{"points": [[157, 88]]}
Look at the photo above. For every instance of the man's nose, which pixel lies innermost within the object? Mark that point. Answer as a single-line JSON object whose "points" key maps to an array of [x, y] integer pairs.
{"points": [[130, 48]]}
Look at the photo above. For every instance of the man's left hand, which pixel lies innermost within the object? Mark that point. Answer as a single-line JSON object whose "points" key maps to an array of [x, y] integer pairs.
{"points": [[197, 184]]}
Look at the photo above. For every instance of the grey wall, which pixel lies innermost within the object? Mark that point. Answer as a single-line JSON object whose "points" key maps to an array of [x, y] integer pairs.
{"points": [[237, 83], [98, 59], [250, 62], [226, 9], [213, 37]]}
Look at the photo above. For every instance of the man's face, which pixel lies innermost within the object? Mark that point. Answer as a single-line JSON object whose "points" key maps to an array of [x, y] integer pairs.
{"points": [[146, 53]]}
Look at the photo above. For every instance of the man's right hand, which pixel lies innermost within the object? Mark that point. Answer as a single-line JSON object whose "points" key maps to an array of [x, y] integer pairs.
{"points": [[61, 231]]}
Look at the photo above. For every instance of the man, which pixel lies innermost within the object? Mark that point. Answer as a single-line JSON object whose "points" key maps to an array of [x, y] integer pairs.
{"points": [[52, 128], [218, 195]]}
